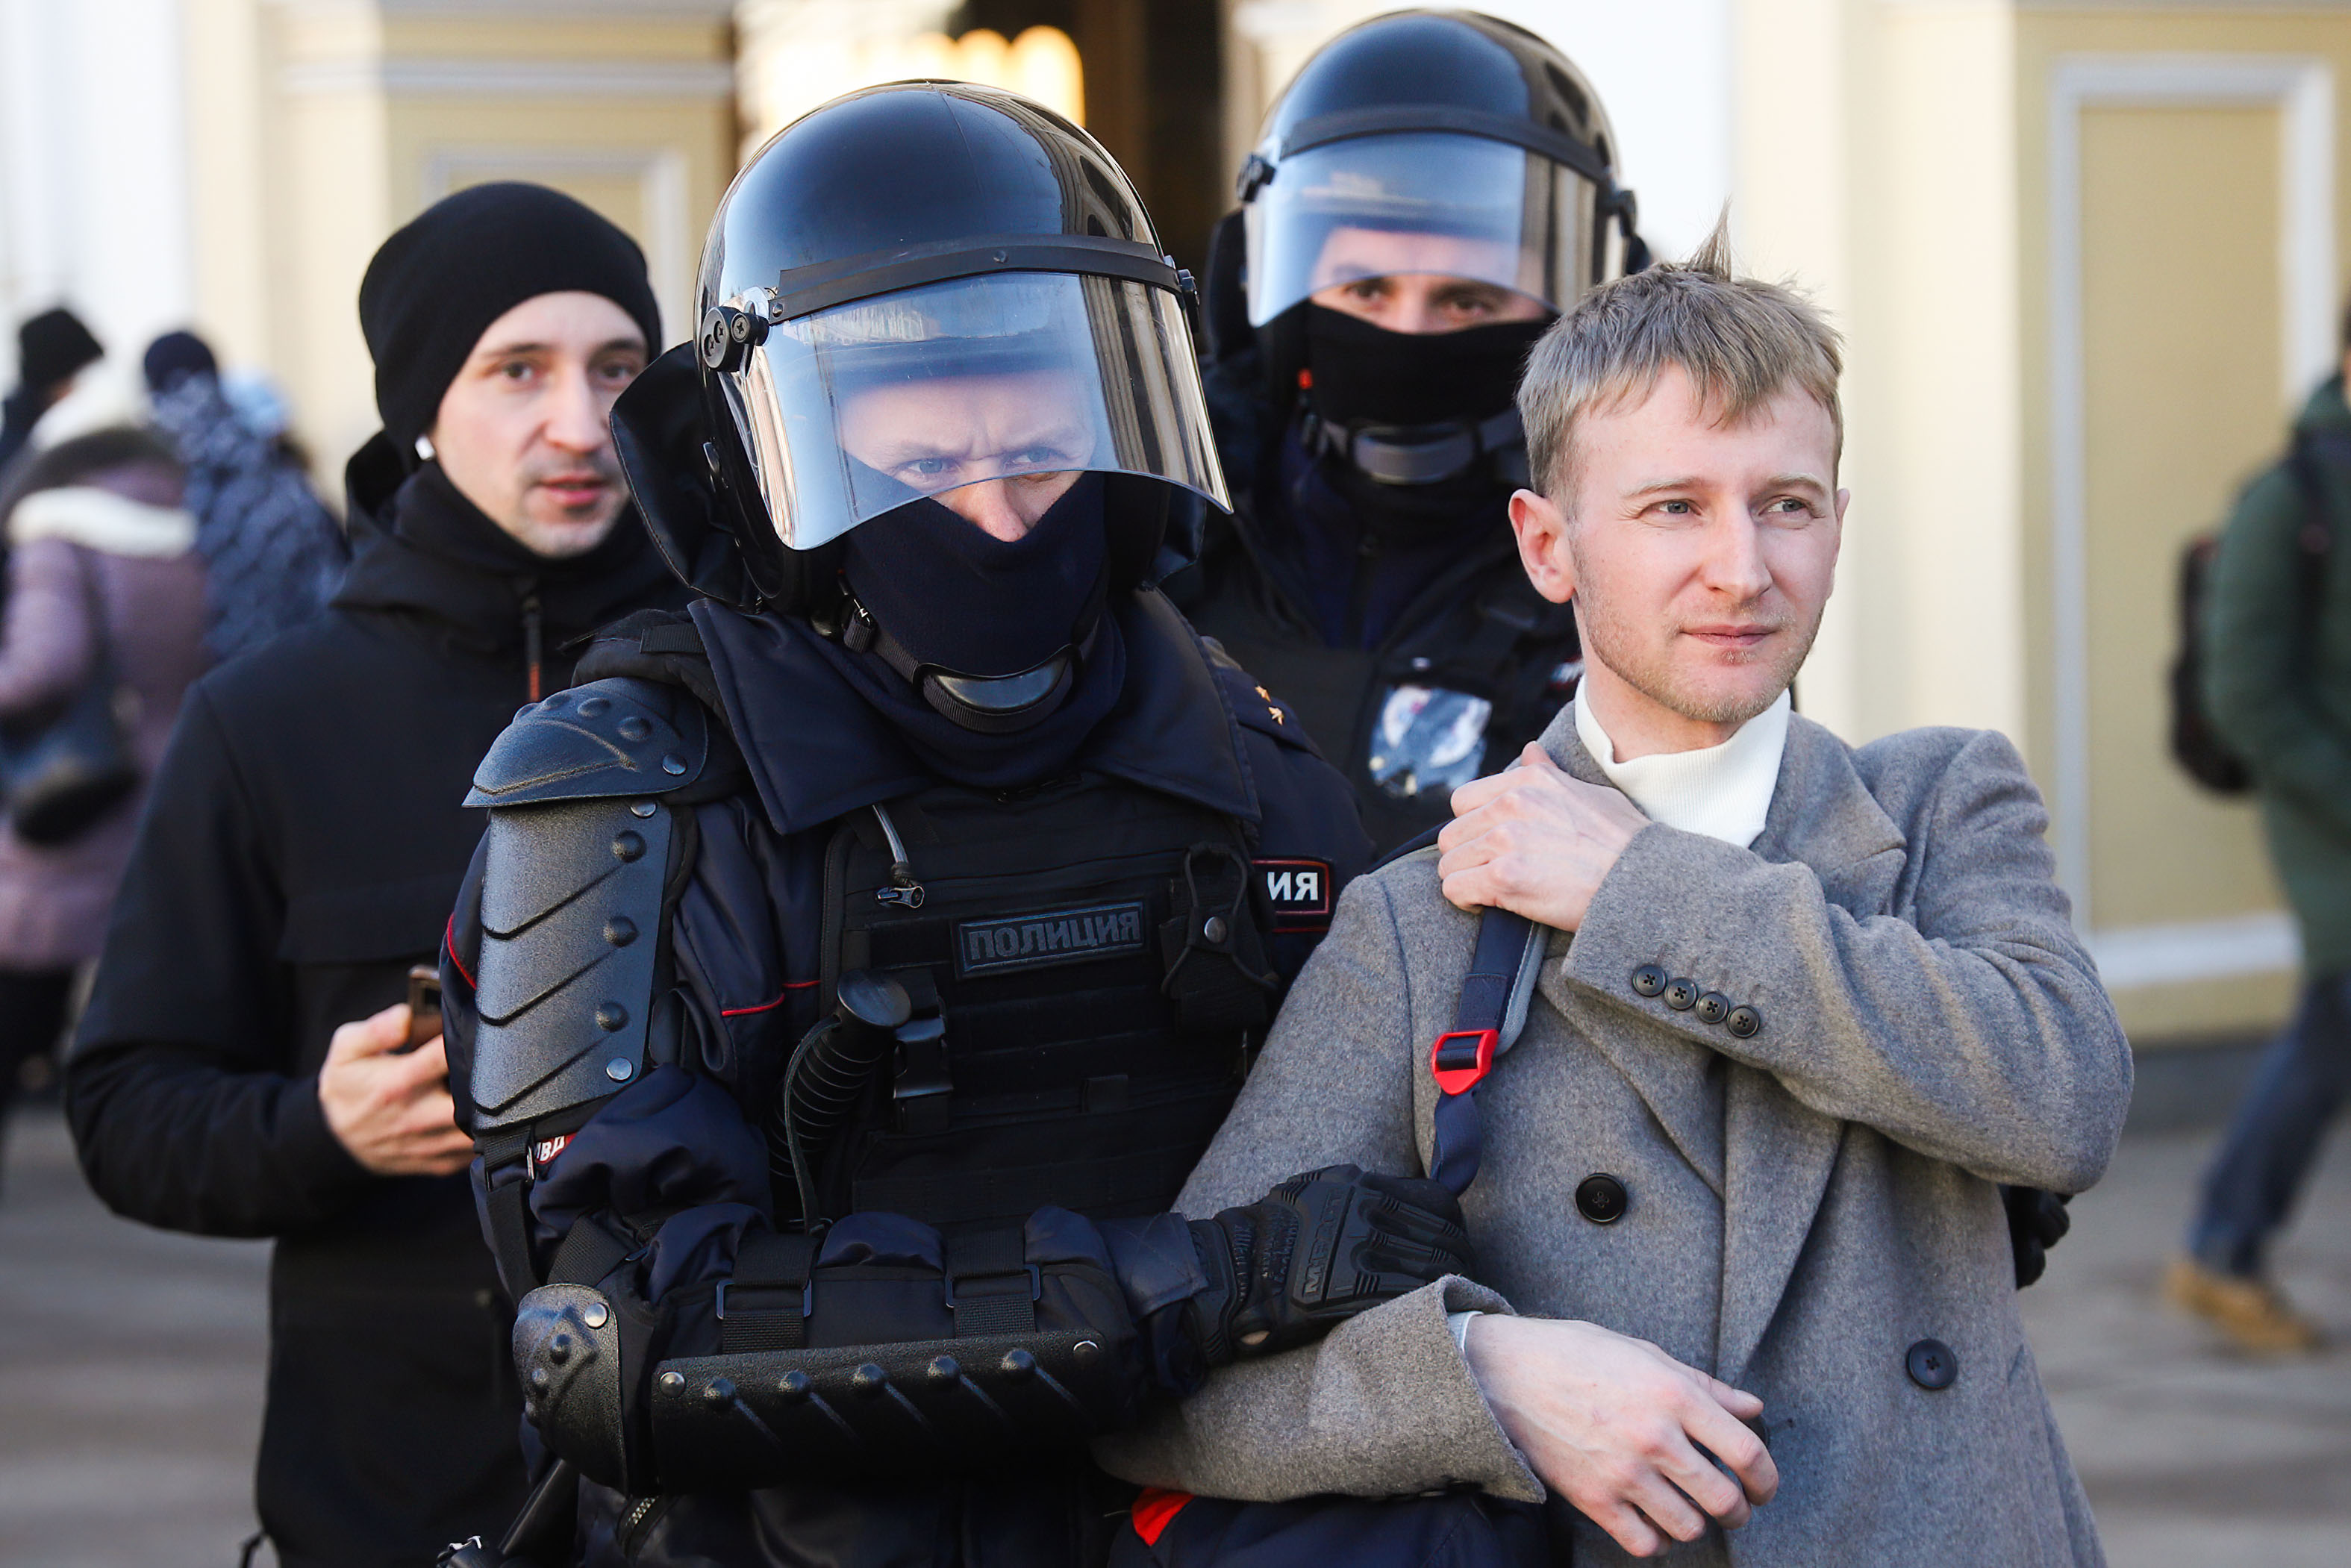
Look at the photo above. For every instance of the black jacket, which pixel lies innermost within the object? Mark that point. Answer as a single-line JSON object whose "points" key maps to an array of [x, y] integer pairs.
{"points": [[749, 937], [302, 851], [1448, 615]]}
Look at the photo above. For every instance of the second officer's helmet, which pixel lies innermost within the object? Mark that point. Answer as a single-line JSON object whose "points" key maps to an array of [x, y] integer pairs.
{"points": [[928, 285], [1436, 142]]}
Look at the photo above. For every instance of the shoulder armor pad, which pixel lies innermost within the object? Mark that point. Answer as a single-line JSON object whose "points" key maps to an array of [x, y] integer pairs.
{"points": [[610, 738], [571, 909]]}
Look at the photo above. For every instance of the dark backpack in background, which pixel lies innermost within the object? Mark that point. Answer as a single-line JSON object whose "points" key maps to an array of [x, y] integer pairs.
{"points": [[2195, 746]]}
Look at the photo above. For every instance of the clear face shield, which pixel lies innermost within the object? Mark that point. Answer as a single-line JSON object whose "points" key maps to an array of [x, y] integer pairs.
{"points": [[1426, 202], [1012, 378]]}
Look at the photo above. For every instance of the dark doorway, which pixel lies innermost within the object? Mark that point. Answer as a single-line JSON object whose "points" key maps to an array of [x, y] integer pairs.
{"points": [[1155, 97]]}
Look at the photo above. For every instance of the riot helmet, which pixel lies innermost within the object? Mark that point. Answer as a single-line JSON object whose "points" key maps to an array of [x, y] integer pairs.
{"points": [[1434, 141], [1441, 143], [920, 299], [927, 286]]}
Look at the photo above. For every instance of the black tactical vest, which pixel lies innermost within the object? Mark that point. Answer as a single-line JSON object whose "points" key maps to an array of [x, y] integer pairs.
{"points": [[1087, 976], [1492, 642]]}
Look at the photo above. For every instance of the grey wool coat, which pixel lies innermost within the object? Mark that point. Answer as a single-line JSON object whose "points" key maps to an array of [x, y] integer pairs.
{"points": [[1807, 1204]]}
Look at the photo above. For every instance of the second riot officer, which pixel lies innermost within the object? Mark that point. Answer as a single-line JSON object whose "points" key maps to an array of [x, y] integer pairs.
{"points": [[1430, 192], [854, 968]]}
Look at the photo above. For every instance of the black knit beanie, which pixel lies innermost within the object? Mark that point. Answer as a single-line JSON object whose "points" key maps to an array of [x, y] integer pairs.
{"points": [[436, 284], [52, 346]]}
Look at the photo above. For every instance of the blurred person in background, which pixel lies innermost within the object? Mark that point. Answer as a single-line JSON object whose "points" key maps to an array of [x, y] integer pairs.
{"points": [[102, 583], [52, 348], [2277, 692], [273, 551], [246, 1066], [1432, 189]]}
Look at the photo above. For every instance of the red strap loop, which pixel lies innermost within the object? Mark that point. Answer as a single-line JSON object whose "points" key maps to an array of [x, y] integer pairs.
{"points": [[1155, 1510], [1461, 1058]]}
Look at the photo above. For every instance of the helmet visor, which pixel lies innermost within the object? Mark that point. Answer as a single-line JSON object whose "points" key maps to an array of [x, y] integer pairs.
{"points": [[1424, 202], [1015, 378]]}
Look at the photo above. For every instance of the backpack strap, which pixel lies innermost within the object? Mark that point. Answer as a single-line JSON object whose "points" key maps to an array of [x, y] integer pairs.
{"points": [[1486, 1024]]}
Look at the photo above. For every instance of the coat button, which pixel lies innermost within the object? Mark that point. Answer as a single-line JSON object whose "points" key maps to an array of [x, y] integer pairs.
{"points": [[1648, 979], [1744, 1021], [1713, 1007], [1931, 1365], [1681, 994], [1601, 1199]]}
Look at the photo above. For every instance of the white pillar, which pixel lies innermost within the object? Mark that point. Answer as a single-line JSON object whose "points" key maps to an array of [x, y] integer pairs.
{"points": [[93, 171]]}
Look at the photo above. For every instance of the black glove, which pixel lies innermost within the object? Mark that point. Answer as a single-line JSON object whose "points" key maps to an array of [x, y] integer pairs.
{"points": [[1315, 1251], [2037, 1221]]}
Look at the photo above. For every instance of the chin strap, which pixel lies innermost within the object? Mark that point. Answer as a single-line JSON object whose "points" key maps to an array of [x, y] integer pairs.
{"points": [[987, 705], [1422, 453]]}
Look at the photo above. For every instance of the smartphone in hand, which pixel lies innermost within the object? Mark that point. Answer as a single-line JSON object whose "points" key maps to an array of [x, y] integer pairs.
{"points": [[423, 1005]]}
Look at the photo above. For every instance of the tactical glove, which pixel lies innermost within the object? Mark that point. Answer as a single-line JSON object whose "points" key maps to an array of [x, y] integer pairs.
{"points": [[1315, 1251], [2037, 1220]]}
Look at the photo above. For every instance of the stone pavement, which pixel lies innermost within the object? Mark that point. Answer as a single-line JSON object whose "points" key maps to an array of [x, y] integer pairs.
{"points": [[131, 1379], [2194, 1456], [130, 1376]]}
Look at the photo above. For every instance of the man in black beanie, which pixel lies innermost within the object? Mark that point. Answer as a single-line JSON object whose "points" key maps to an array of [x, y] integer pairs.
{"points": [[52, 348], [303, 851]]}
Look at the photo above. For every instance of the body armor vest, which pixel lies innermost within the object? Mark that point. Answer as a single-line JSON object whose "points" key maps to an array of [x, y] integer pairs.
{"points": [[1488, 672], [1085, 974]]}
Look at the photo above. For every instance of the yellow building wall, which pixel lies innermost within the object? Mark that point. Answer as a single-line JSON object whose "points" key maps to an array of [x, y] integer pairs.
{"points": [[317, 129], [2181, 183], [2087, 259]]}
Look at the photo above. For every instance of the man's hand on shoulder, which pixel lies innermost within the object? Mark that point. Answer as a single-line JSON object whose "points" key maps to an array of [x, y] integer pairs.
{"points": [[390, 1108], [1615, 1424], [1534, 841]]}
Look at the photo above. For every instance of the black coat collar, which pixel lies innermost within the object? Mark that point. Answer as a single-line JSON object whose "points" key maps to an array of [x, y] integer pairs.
{"points": [[817, 750]]}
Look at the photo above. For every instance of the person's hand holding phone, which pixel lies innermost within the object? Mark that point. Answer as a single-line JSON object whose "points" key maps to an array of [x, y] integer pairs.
{"points": [[389, 1104]]}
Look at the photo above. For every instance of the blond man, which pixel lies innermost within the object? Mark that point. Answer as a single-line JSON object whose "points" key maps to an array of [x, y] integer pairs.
{"points": [[1804, 1006]]}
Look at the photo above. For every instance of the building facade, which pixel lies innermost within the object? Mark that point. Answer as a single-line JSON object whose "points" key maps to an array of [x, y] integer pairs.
{"points": [[2088, 258]]}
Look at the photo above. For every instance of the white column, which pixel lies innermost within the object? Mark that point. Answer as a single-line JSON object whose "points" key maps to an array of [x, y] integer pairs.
{"points": [[93, 171]]}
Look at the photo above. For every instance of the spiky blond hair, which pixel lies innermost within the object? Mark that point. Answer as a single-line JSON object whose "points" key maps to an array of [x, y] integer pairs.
{"points": [[1740, 341]]}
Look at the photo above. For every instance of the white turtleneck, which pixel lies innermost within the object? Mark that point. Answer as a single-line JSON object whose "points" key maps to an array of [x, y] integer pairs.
{"points": [[1721, 792]]}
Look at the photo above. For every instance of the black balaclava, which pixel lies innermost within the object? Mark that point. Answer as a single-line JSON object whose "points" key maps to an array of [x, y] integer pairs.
{"points": [[957, 600], [435, 286], [1359, 375]]}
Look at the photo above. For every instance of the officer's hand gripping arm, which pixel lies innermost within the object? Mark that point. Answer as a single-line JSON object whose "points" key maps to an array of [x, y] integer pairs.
{"points": [[1316, 1250]]}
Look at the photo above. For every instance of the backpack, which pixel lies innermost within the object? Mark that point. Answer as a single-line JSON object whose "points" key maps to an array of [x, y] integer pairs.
{"points": [[2195, 746]]}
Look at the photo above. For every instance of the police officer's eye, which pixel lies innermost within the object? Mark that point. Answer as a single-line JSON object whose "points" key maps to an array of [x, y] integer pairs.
{"points": [[927, 468]]}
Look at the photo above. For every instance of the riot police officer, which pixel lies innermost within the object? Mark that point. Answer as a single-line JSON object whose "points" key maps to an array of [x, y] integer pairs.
{"points": [[1431, 190], [854, 968]]}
